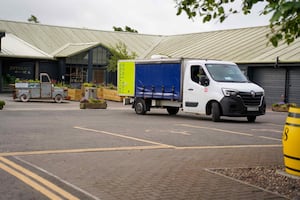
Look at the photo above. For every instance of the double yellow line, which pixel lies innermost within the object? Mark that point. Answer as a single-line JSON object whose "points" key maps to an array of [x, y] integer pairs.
{"points": [[35, 181]]}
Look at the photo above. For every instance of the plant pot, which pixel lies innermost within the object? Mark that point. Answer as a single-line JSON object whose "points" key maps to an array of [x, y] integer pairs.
{"points": [[280, 109], [112, 95], [93, 105], [75, 94]]}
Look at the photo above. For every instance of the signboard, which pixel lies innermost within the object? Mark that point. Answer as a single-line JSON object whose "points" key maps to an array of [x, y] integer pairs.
{"points": [[126, 78]]}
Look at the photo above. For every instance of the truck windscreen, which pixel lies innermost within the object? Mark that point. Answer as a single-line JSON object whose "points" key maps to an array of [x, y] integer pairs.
{"points": [[226, 73]]}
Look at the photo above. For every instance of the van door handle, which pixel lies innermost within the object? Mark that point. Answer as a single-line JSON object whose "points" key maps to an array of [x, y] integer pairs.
{"points": [[190, 89]]}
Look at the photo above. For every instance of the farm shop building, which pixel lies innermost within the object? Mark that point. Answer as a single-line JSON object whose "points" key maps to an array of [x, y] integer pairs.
{"points": [[75, 56]]}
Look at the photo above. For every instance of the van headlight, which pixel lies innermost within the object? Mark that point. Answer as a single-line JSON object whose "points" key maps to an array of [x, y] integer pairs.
{"points": [[260, 93], [229, 92]]}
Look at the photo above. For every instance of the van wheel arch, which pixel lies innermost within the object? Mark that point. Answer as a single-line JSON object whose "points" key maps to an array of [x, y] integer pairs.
{"points": [[209, 107], [214, 109]]}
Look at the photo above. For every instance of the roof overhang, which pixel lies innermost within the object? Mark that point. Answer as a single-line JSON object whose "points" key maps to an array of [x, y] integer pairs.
{"points": [[14, 47], [72, 49]]}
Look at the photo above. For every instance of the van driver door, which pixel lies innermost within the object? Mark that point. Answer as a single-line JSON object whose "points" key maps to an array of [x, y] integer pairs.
{"points": [[195, 89]]}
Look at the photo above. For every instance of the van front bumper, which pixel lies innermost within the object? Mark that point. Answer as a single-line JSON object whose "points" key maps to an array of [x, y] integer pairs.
{"points": [[235, 107]]}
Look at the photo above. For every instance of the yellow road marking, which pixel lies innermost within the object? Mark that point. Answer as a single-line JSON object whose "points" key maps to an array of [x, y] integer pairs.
{"points": [[216, 129], [30, 182], [83, 150], [229, 147], [8, 167], [123, 136], [128, 149], [38, 178]]}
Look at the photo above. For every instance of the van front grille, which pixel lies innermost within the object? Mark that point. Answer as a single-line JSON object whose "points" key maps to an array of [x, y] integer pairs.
{"points": [[251, 99]]}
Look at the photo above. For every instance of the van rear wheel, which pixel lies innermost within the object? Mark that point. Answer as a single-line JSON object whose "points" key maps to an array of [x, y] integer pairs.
{"points": [[216, 112], [24, 98], [58, 98], [140, 106]]}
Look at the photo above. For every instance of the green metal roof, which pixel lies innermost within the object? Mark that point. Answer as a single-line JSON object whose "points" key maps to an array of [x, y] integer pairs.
{"points": [[74, 48], [246, 45], [52, 38]]}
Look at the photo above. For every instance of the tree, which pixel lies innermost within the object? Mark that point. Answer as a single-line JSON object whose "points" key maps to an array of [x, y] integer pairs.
{"points": [[284, 21], [127, 29], [119, 52], [33, 19]]}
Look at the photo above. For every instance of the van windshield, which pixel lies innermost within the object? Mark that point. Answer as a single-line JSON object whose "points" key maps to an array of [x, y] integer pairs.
{"points": [[226, 73]]}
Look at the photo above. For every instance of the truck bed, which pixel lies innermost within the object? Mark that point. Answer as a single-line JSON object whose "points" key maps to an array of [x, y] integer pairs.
{"points": [[158, 80]]}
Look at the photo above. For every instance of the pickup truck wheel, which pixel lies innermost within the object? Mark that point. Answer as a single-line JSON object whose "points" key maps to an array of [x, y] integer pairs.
{"points": [[24, 98], [215, 111], [251, 118], [172, 110], [140, 107], [58, 98]]}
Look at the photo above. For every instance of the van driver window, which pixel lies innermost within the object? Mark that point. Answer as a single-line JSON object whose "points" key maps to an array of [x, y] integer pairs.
{"points": [[195, 73]]}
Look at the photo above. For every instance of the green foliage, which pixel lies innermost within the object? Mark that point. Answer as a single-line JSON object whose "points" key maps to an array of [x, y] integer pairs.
{"points": [[119, 52], [111, 86], [17, 80], [8, 79], [284, 23], [89, 85], [33, 19], [284, 105], [2, 103], [93, 100], [61, 85], [127, 29]]}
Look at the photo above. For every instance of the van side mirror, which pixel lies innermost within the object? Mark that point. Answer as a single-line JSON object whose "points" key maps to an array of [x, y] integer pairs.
{"points": [[204, 81]]}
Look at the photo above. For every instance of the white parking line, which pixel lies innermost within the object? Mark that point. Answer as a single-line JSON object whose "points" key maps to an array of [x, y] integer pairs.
{"points": [[123, 136], [235, 132], [267, 130], [270, 138], [180, 132], [216, 129]]}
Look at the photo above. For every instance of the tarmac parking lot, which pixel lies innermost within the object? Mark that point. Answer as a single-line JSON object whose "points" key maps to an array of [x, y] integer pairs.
{"points": [[57, 151]]}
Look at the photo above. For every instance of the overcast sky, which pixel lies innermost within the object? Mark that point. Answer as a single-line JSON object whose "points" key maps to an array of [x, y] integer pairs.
{"points": [[146, 16]]}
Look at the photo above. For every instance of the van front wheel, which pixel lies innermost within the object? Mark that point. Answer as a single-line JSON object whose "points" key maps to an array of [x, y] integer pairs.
{"points": [[215, 111], [172, 110], [251, 118]]}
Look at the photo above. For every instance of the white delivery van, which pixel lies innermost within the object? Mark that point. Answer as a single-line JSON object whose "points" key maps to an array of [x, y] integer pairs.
{"points": [[209, 87]]}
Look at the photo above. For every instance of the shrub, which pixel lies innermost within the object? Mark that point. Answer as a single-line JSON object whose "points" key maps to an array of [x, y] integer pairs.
{"points": [[2, 103]]}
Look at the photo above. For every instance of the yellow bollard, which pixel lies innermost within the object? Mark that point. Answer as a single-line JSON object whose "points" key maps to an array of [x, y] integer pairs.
{"points": [[291, 142]]}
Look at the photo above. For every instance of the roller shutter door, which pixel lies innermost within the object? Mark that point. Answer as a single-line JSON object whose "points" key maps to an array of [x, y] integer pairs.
{"points": [[273, 82], [294, 86]]}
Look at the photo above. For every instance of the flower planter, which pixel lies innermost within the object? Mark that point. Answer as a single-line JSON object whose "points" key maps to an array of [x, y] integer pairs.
{"points": [[100, 93], [87, 105], [112, 95], [75, 94], [280, 109]]}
